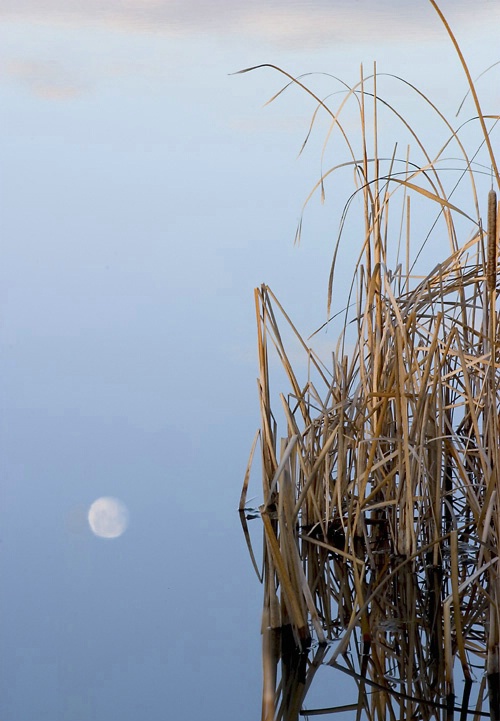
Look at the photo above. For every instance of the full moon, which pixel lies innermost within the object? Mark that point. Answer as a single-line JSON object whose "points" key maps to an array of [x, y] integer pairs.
{"points": [[108, 517]]}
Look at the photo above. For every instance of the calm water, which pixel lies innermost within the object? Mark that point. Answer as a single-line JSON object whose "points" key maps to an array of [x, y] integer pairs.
{"points": [[145, 192]]}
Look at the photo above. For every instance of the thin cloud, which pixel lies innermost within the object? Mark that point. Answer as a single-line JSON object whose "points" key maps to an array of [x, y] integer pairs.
{"points": [[47, 80], [277, 24], [294, 25]]}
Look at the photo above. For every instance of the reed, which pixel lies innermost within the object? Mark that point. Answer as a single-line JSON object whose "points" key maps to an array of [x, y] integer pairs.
{"points": [[381, 506]]}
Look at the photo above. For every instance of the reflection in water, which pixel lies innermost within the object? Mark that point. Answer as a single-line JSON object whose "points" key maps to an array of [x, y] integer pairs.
{"points": [[398, 645], [292, 24], [381, 502]]}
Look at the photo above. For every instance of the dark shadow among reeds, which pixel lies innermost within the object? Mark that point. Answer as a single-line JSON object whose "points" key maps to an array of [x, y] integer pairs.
{"points": [[381, 494]]}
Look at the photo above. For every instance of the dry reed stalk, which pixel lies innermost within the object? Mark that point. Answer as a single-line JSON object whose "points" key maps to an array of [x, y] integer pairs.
{"points": [[380, 507], [492, 241], [422, 386]]}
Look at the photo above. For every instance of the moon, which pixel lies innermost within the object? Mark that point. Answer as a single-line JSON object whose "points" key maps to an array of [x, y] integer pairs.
{"points": [[108, 517]]}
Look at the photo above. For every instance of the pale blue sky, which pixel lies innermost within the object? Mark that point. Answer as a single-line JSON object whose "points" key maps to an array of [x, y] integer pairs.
{"points": [[144, 193]]}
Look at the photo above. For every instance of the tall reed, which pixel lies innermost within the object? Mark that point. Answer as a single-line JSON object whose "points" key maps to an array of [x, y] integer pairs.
{"points": [[380, 494]]}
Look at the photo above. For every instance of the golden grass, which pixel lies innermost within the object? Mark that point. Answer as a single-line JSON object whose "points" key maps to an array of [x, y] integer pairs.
{"points": [[381, 498]]}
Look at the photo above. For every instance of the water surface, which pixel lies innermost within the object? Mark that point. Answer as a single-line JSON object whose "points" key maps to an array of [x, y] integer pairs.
{"points": [[145, 193]]}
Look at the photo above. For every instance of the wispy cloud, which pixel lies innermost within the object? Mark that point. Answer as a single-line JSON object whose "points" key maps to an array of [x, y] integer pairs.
{"points": [[292, 24], [45, 79], [278, 24]]}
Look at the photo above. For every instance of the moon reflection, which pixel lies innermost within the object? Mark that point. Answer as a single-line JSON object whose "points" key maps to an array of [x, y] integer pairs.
{"points": [[108, 517]]}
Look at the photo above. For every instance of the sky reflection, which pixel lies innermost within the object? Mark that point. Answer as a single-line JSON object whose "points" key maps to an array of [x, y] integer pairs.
{"points": [[287, 23], [145, 192]]}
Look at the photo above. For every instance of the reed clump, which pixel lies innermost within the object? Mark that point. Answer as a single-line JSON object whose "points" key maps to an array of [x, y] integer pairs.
{"points": [[381, 492]]}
